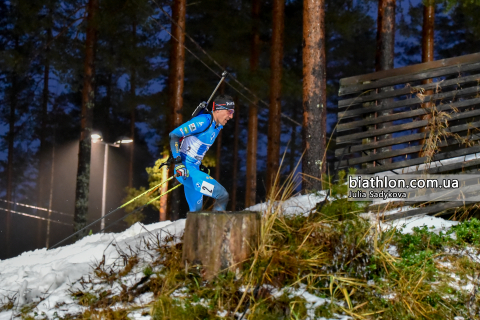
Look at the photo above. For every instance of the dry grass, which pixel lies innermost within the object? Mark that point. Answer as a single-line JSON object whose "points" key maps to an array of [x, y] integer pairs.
{"points": [[347, 262]]}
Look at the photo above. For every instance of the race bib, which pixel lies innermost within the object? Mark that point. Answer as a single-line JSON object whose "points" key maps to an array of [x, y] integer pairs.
{"points": [[207, 188]]}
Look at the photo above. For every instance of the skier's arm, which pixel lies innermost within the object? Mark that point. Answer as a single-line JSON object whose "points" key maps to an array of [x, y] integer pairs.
{"points": [[194, 126], [175, 143]]}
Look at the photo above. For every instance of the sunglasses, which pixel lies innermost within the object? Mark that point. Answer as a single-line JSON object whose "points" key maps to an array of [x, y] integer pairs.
{"points": [[230, 111], [221, 107]]}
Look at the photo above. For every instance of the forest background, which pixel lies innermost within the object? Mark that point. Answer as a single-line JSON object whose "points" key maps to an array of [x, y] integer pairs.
{"points": [[43, 65]]}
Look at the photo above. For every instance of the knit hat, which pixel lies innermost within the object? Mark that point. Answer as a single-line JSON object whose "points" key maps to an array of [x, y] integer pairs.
{"points": [[223, 102]]}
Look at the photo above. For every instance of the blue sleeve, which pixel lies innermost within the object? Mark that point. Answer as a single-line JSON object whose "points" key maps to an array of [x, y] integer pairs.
{"points": [[196, 125]]}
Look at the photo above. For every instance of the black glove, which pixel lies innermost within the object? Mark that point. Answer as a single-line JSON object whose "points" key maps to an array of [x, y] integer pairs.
{"points": [[169, 160], [204, 169]]}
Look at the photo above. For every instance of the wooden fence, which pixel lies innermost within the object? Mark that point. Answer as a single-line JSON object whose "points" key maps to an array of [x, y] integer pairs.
{"points": [[390, 120], [423, 117]]}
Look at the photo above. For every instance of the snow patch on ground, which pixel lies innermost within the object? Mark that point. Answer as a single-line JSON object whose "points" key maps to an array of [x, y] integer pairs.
{"points": [[301, 204], [312, 301], [434, 224], [50, 274]]}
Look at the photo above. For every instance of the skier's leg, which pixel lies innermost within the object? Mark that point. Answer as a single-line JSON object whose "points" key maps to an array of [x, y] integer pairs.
{"points": [[221, 198], [208, 186], [194, 198]]}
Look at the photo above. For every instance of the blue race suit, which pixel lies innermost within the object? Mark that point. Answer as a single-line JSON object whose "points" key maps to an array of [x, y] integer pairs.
{"points": [[198, 136]]}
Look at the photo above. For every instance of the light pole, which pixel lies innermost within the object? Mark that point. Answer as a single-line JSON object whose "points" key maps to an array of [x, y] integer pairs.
{"points": [[97, 138]]}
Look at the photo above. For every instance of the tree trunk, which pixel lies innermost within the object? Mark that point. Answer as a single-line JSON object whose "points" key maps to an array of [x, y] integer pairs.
{"points": [[314, 93], [88, 93], [41, 180], [251, 172], [293, 145], [233, 195], [163, 200], [11, 139], [427, 52], [50, 198], [176, 82], [218, 141], [218, 155], [215, 242], [274, 121], [133, 109], [428, 32], [385, 54]]}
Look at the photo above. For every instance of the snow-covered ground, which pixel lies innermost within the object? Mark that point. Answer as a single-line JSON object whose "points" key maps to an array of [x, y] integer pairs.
{"points": [[301, 204], [53, 274], [50, 274]]}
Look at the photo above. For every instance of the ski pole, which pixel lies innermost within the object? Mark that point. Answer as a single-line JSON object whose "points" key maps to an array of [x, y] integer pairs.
{"points": [[171, 189], [151, 189], [122, 206]]}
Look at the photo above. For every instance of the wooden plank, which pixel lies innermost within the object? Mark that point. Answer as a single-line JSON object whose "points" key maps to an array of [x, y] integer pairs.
{"points": [[406, 90], [388, 82], [355, 147], [407, 102], [404, 115], [394, 153], [426, 210], [469, 58], [396, 204], [425, 199], [454, 166], [377, 132], [393, 141], [417, 161], [402, 127]]}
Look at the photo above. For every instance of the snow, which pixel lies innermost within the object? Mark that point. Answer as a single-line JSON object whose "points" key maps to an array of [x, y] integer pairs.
{"points": [[301, 204], [312, 301], [50, 276], [434, 224]]}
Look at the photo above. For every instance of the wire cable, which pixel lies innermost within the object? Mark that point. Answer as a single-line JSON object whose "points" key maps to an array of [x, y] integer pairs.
{"points": [[216, 63], [36, 208], [122, 206], [178, 185], [36, 217], [201, 61]]}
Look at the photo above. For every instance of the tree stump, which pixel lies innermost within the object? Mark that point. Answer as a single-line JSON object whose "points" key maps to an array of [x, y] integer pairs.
{"points": [[220, 241]]}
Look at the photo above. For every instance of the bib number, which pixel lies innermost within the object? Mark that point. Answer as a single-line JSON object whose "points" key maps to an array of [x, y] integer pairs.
{"points": [[207, 188]]}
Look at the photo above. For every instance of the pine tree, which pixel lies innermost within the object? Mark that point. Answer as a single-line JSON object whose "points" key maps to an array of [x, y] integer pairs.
{"points": [[275, 109], [251, 174], [459, 23], [88, 92], [385, 53], [20, 67], [314, 93], [427, 51], [176, 83]]}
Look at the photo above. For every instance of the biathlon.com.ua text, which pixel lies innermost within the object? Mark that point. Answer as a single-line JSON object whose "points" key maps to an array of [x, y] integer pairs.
{"points": [[376, 182], [414, 187]]}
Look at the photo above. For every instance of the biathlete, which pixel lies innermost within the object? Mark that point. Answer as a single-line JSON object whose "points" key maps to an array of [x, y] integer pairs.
{"points": [[189, 143]]}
